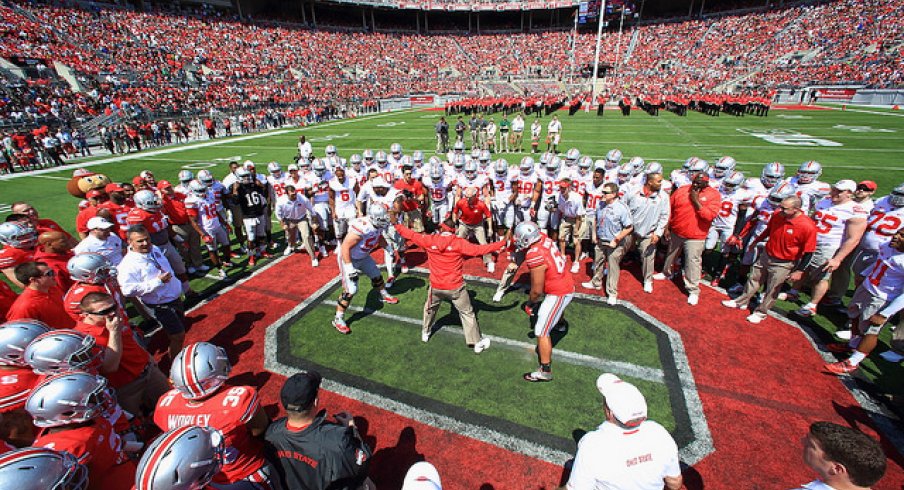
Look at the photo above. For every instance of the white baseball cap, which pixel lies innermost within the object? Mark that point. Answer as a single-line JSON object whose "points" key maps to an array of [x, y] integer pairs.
{"points": [[98, 222], [422, 476], [845, 185], [379, 182], [624, 400]]}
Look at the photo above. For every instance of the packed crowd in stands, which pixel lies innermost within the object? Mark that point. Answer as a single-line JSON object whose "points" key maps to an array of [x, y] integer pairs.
{"points": [[176, 63]]}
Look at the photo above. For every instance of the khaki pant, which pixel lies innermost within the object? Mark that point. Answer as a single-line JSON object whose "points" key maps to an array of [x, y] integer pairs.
{"points": [[414, 220], [462, 302], [612, 258], [647, 252], [303, 226], [693, 261], [480, 233], [143, 391], [193, 256], [775, 271]]}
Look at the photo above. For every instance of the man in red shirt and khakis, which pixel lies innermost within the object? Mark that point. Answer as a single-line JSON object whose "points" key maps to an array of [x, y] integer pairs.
{"points": [[694, 207], [473, 216], [445, 259], [413, 200], [790, 242]]}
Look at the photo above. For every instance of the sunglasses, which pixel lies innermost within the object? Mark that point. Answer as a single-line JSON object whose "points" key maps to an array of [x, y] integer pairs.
{"points": [[48, 273], [864, 188], [104, 312]]}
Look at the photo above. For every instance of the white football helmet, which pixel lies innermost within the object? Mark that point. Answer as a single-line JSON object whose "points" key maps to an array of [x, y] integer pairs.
{"points": [[471, 169], [274, 168], [91, 267], [186, 458], [355, 160], [434, 160], [330, 150], [526, 165], [205, 177], [572, 156], [417, 158], [896, 198], [526, 234], [436, 172], [62, 351], [185, 176], [625, 172], [379, 216], [724, 167], [613, 158], [545, 158], [553, 166], [584, 164], [381, 158], [368, 156], [458, 147], [147, 201], [772, 174], [501, 167], [732, 181], [696, 165], [318, 167], [459, 162], [809, 172], [34, 468], [197, 188], [395, 149], [484, 159], [475, 154], [18, 235], [15, 337], [199, 370], [70, 398]]}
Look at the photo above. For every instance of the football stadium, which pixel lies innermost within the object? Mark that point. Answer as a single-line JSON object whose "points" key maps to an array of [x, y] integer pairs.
{"points": [[607, 244]]}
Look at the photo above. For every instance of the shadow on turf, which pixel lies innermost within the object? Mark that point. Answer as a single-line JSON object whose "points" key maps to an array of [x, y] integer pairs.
{"points": [[391, 463]]}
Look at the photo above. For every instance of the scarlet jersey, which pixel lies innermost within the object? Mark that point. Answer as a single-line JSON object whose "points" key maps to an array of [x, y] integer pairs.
{"points": [[7, 298], [278, 184], [79, 290], [503, 186], [370, 237], [12, 256], [204, 210], [15, 386], [558, 280], [228, 410], [525, 186], [344, 197], [97, 446], [154, 222], [831, 220], [119, 213], [884, 221], [728, 210]]}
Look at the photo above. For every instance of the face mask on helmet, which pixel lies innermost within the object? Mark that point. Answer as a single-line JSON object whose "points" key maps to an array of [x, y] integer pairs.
{"points": [[205, 177], [18, 235], [732, 182], [436, 174], [62, 351], [147, 201], [584, 164], [526, 234], [613, 158], [526, 166], [808, 172], [501, 168], [381, 158], [459, 164], [244, 176], [772, 174], [274, 168], [330, 150], [896, 198], [15, 337], [69, 398], [33, 468], [724, 167], [355, 160], [185, 176]]}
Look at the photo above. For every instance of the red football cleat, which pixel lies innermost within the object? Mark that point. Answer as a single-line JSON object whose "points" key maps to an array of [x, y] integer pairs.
{"points": [[841, 367]]}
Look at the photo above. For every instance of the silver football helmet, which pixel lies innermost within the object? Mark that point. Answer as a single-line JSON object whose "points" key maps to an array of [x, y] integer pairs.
{"points": [[471, 169], [34, 468], [545, 158], [780, 192], [613, 158], [584, 164], [436, 172], [186, 458], [205, 177], [896, 198], [696, 165], [368, 156], [809, 172], [199, 370], [381, 158], [501, 167], [69, 398], [526, 234], [475, 154], [355, 160], [553, 166], [724, 167], [14, 339], [18, 235], [197, 188], [625, 172], [379, 216], [527, 165], [244, 176], [417, 158], [772, 174], [185, 176], [318, 167], [91, 267], [459, 162], [395, 149], [732, 181], [147, 201], [274, 168], [636, 164], [572, 156], [653, 168], [330, 150], [62, 351], [458, 147]]}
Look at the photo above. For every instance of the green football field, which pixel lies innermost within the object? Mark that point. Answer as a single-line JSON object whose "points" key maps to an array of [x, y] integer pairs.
{"points": [[857, 143]]}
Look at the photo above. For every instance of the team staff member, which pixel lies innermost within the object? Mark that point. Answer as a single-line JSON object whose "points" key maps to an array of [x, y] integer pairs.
{"points": [[127, 365], [570, 206], [102, 240], [413, 200], [445, 260], [842, 457], [146, 275], [693, 208], [41, 299], [790, 242], [311, 452], [650, 213], [294, 212], [627, 450], [473, 216], [613, 225]]}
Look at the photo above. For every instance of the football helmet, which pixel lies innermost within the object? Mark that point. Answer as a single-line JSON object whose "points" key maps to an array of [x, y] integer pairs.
{"points": [[526, 166], [471, 169], [62, 351], [809, 172], [724, 167], [355, 160], [197, 188], [436, 172], [318, 167], [896, 198], [185, 458], [459, 162], [148, 177], [417, 157], [475, 154], [613, 158], [199, 370], [379, 216], [205, 177], [772, 174], [653, 168], [501, 167], [18, 235], [545, 157], [395, 149], [274, 168], [148, 201], [687, 163], [572, 156], [625, 172], [405, 161], [696, 165], [244, 176], [91, 267], [780, 192], [381, 158], [185, 176], [69, 398], [484, 158], [34, 468], [553, 165], [330, 150], [368, 156], [15, 337], [732, 181], [636, 164], [458, 147], [584, 163], [526, 234]]}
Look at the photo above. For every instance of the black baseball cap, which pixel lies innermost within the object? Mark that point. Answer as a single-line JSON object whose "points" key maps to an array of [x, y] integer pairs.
{"points": [[300, 391]]}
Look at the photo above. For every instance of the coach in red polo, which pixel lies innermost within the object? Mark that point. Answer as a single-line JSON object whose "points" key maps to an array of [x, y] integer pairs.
{"points": [[472, 214], [694, 207]]}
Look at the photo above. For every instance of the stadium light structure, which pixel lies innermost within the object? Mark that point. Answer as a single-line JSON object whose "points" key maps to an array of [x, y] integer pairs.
{"points": [[594, 92]]}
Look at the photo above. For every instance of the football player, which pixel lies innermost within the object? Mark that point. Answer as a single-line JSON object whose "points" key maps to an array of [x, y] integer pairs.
{"points": [[723, 168], [202, 211], [18, 379], [546, 194], [320, 200], [251, 194], [343, 189], [33, 468], [808, 186], [187, 457], [502, 184], [729, 221], [19, 240]]}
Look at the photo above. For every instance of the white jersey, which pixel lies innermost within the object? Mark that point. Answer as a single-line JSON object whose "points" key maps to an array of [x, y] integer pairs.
{"points": [[728, 209], [810, 193], [612, 457], [755, 188], [218, 190], [611, 175], [320, 187], [764, 211], [206, 209], [580, 183], [301, 184], [594, 197], [885, 279], [393, 161], [884, 221], [679, 178], [277, 185], [831, 220], [503, 186], [387, 172], [478, 182], [525, 185], [370, 237], [550, 186], [344, 197], [439, 191], [359, 176]]}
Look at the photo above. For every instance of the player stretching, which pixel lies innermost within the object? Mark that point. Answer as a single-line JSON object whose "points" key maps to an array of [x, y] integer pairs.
{"points": [[547, 276], [364, 235]]}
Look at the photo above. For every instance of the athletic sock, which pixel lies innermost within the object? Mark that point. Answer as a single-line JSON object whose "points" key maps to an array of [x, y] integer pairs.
{"points": [[384, 293], [810, 306], [856, 357], [546, 368], [338, 316]]}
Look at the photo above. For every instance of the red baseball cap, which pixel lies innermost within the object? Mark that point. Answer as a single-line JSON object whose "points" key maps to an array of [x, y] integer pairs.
{"points": [[868, 184], [163, 184], [93, 193], [113, 188]]}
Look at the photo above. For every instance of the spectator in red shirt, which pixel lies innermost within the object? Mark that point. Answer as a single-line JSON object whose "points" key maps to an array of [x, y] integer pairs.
{"points": [[473, 217], [445, 260], [53, 249], [413, 199], [694, 207], [41, 299]]}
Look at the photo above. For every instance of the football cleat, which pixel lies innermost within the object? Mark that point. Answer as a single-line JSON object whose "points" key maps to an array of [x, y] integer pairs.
{"points": [[340, 325], [390, 300], [538, 376], [841, 368]]}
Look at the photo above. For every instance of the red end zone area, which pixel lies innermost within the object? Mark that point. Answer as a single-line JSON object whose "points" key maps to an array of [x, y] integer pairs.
{"points": [[760, 387]]}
